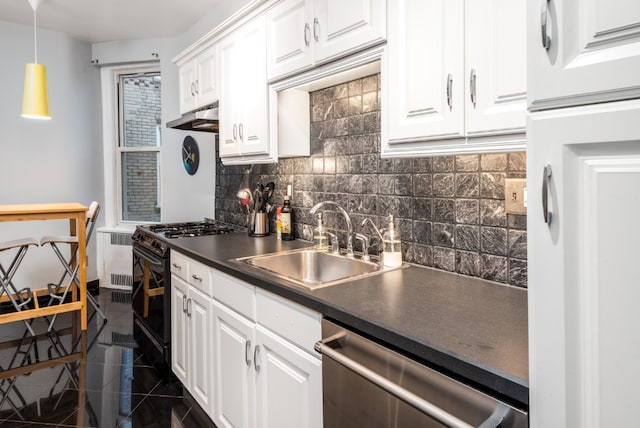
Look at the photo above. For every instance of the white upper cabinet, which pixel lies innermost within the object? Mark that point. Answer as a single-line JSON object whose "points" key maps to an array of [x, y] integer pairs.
{"points": [[243, 101], [454, 70], [198, 80], [591, 52], [289, 37], [424, 69], [496, 66], [304, 33]]}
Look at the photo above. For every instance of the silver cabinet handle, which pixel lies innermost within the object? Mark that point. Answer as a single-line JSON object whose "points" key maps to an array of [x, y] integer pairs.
{"points": [[196, 278], [544, 15], [189, 308], [184, 304], [235, 131], [176, 266], [197, 86], [247, 352], [241, 132], [193, 89], [472, 86], [449, 91], [307, 31], [408, 397], [546, 178], [256, 352], [316, 29]]}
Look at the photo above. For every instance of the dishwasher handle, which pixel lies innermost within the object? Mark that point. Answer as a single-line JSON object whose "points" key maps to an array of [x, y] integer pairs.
{"points": [[408, 397]]}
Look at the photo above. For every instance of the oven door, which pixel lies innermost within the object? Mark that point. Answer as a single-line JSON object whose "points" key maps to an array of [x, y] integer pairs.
{"points": [[151, 293]]}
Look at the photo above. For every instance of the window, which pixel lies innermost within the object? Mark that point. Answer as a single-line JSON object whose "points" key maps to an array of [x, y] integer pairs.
{"points": [[138, 146]]}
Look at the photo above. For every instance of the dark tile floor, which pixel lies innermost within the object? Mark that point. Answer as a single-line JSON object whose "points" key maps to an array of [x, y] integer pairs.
{"points": [[53, 382]]}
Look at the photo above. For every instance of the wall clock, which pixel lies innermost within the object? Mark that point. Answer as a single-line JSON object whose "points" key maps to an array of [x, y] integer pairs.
{"points": [[190, 155]]}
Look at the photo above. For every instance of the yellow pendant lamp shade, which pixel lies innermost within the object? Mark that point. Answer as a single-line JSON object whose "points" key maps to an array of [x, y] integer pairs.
{"points": [[35, 102]]}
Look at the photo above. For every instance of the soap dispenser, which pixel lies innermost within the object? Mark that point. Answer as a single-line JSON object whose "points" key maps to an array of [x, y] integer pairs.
{"points": [[320, 237], [391, 245]]}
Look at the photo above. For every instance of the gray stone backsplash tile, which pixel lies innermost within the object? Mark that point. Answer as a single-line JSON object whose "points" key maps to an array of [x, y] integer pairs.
{"points": [[449, 209], [493, 240]]}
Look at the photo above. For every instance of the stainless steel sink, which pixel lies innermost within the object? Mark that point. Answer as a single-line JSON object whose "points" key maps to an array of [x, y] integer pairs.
{"points": [[313, 269]]}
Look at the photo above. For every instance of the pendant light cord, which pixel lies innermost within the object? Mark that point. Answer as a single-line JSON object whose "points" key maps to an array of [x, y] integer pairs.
{"points": [[35, 36]]}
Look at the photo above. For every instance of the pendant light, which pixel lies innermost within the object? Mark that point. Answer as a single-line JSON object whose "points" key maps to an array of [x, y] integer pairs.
{"points": [[35, 102]]}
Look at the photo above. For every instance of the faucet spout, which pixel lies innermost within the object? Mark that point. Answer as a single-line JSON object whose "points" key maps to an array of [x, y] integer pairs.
{"points": [[347, 219]]}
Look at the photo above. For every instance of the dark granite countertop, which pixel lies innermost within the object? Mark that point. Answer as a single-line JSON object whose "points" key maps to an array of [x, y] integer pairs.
{"points": [[471, 329]]}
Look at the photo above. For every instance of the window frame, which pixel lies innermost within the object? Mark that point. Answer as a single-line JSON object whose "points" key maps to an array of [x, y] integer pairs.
{"points": [[110, 80]]}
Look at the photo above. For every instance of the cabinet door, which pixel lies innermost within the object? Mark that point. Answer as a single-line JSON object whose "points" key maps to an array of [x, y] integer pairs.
{"points": [[496, 66], [289, 37], [288, 384], [233, 377], [593, 54], [583, 276], [422, 82], [252, 90], [187, 78], [243, 80], [341, 27], [201, 337], [179, 329], [206, 81], [230, 80]]}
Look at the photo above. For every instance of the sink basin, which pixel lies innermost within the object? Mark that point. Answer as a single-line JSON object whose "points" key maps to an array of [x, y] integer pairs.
{"points": [[313, 269]]}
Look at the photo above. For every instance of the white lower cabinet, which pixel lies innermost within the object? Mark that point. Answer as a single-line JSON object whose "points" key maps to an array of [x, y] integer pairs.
{"points": [[288, 384], [264, 377], [233, 374], [245, 354], [191, 342]]}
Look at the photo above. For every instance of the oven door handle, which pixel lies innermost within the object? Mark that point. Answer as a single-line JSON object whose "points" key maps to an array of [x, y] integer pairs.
{"points": [[148, 257], [403, 394]]}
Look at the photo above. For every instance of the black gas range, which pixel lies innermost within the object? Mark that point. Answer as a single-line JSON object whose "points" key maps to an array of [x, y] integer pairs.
{"points": [[151, 295]]}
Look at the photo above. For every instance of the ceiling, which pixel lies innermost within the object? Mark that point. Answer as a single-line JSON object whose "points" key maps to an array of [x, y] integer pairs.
{"points": [[96, 21]]}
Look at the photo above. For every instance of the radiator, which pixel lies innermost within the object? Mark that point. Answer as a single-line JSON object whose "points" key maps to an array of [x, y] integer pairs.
{"points": [[114, 259]]}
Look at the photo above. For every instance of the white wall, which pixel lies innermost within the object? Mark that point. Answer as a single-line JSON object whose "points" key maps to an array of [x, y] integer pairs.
{"points": [[48, 161]]}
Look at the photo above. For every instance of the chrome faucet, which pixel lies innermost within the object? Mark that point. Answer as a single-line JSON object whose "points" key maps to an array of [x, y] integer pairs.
{"points": [[335, 247], [347, 218]]}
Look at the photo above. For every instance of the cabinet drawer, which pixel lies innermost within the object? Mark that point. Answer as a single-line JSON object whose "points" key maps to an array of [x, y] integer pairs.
{"points": [[200, 277], [236, 294], [290, 320], [179, 265]]}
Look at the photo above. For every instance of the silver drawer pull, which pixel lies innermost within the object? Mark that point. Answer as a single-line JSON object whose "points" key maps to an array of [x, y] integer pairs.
{"points": [[176, 266], [316, 29], [307, 34], [247, 352], [472, 87], [546, 179], [544, 16], [256, 352], [449, 91], [196, 278], [408, 397]]}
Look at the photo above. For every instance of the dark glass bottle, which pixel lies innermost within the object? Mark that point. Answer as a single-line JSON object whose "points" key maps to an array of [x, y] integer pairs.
{"points": [[286, 220]]}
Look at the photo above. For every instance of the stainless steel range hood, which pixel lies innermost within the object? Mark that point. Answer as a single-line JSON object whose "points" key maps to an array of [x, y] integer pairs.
{"points": [[204, 119]]}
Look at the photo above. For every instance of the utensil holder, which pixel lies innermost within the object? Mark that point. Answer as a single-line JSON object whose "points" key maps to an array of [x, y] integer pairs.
{"points": [[259, 226]]}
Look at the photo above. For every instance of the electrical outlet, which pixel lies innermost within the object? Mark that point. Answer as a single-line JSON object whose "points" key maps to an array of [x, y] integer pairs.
{"points": [[515, 195]]}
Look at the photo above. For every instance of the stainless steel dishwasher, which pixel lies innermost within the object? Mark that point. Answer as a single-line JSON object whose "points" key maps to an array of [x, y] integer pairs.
{"points": [[367, 385]]}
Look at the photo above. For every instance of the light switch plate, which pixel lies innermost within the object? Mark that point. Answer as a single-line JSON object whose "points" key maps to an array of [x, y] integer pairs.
{"points": [[514, 195]]}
